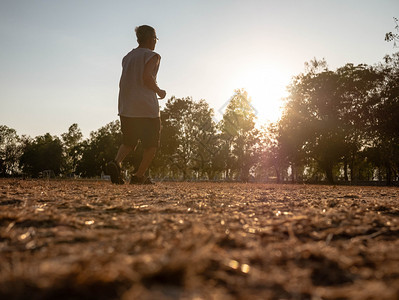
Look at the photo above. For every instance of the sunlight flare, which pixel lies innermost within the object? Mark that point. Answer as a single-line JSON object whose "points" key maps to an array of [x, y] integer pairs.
{"points": [[266, 85]]}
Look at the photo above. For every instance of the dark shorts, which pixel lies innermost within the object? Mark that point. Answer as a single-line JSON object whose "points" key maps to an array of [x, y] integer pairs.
{"points": [[147, 130]]}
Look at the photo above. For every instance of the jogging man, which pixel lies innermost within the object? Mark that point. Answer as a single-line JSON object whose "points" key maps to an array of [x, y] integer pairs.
{"points": [[138, 105]]}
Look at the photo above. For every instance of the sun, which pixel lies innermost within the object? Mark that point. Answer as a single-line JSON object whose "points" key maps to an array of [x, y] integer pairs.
{"points": [[266, 86]]}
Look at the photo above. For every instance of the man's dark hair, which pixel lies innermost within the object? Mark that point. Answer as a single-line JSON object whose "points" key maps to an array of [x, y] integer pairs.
{"points": [[144, 32]]}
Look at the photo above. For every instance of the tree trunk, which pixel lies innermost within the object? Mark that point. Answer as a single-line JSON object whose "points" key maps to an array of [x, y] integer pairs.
{"points": [[329, 174], [244, 174], [389, 174], [346, 170], [278, 179], [292, 173], [352, 172]]}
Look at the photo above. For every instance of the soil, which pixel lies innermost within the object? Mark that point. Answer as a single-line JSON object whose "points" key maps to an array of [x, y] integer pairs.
{"points": [[94, 240]]}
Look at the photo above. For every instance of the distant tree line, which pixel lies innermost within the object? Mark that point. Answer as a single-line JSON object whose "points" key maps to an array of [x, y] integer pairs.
{"points": [[337, 126]]}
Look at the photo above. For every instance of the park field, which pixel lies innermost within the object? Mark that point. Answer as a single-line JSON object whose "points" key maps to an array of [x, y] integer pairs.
{"points": [[94, 240]]}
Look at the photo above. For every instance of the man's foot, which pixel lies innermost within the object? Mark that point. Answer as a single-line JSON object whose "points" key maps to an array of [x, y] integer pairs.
{"points": [[114, 171], [148, 180], [141, 180]]}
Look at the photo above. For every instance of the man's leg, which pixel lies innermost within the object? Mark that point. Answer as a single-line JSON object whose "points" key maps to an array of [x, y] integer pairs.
{"points": [[148, 156], [123, 151], [114, 167], [150, 141], [137, 157]]}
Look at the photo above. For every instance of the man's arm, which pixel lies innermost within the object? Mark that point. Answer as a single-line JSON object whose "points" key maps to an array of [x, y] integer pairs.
{"points": [[149, 79]]}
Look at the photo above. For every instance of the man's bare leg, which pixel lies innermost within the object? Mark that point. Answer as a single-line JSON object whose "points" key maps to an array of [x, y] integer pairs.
{"points": [[123, 151], [148, 156], [113, 168]]}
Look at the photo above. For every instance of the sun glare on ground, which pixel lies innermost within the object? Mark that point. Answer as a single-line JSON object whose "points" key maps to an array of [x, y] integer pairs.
{"points": [[266, 86]]}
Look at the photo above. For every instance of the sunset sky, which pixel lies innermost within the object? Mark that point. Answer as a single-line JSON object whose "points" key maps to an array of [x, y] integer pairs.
{"points": [[60, 61]]}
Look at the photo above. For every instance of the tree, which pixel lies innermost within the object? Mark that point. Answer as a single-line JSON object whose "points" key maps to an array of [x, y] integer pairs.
{"points": [[295, 128], [240, 140], [41, 154], [72, 148], [206, 141], [310, 124], [390, 36], [99, 149], [187, 139], [327, 118], [359, 92], [384, 124], [10, 151], [272, 161]]}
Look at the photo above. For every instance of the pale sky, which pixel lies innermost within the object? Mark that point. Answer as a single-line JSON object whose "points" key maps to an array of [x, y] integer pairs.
{"points": [[60, 61]]}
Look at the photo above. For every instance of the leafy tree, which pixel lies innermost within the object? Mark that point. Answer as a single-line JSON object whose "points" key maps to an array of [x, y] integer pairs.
{"points": [[10, 151], [292, 132], [163, 161], [293, 129], [390, 36], [187, 139], [310, 125], [100, 148], [41, 154], [72, 148], [327, 115], [272, 162], [240, 140], [358, 91], [384, 125], [206, 141]]}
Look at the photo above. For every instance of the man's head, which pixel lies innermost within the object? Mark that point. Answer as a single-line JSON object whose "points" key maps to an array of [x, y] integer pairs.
{"points": [[146, 36]]}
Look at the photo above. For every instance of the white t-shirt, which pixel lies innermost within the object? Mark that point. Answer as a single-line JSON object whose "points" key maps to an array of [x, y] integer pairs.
{"points": [[135, 99]]}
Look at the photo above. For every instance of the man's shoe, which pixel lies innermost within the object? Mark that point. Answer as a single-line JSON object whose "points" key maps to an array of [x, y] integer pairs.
{"points": [[114, 171], [148, 180], [141, 180]]}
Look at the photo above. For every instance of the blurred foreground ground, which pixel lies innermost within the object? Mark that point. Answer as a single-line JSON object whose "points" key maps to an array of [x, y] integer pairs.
{"points": [[94, 240]]}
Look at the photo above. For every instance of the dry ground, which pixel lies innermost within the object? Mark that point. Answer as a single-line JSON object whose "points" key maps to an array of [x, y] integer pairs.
{"points": [[94, 240]]}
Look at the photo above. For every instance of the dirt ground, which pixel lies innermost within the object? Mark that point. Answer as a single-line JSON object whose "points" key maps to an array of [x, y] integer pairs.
{"points": [[94, 240]]}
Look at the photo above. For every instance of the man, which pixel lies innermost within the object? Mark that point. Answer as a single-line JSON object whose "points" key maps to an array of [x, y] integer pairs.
{"points": [[138, 105]]}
